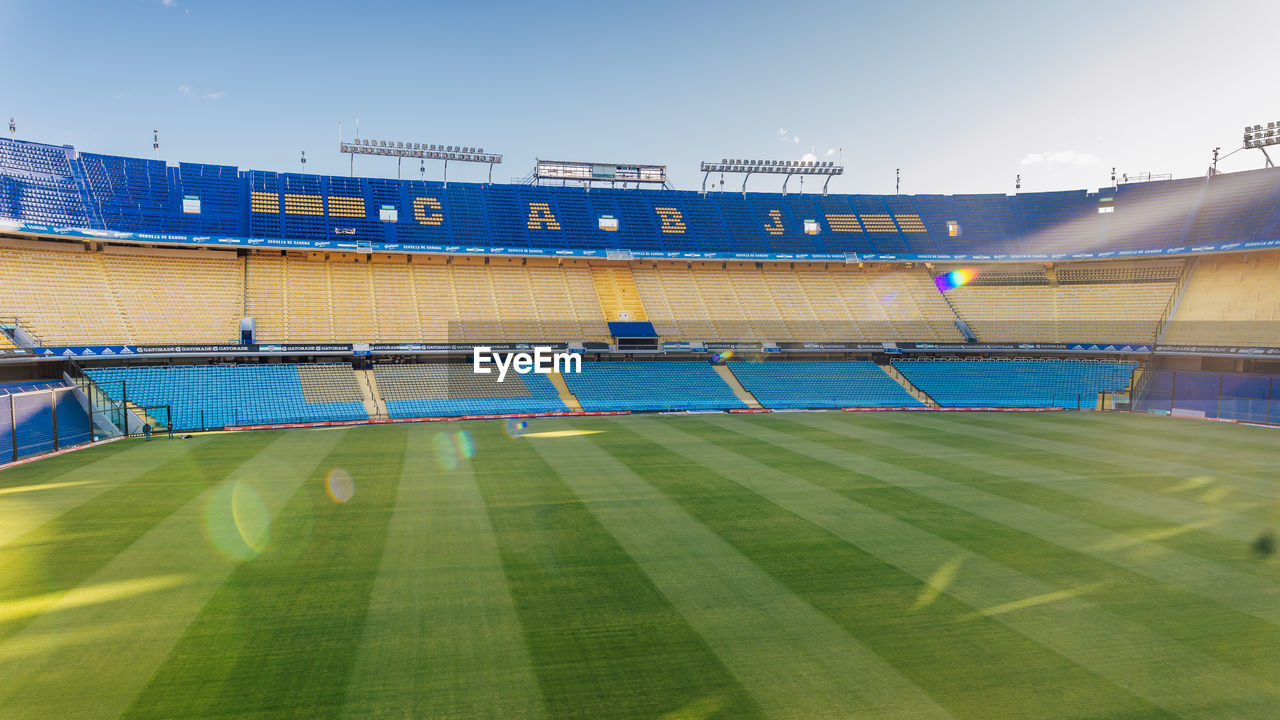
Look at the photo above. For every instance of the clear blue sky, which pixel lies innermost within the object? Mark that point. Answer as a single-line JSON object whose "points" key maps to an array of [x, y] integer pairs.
{"points": [[961, 96]]}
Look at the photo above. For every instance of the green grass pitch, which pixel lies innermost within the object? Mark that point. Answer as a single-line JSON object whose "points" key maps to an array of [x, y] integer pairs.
{"points": [[805, 565]]}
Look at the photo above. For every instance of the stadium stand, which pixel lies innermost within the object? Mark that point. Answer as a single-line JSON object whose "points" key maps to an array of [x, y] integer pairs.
{"points": [[55, 184], [1229, 300], [745, 301], [66, 295], [304, 297], [37, 184], [447, 390], [821, 384], [659, 385], [211, 396], [1100, 302], [1016, 383]]}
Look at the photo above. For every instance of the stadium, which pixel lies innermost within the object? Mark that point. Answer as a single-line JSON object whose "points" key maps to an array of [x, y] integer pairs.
{"points": [[585, 445]]}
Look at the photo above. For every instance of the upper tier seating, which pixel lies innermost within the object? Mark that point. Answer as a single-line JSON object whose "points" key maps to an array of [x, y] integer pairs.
{"points": [[211, 396], [821, 384], [664, 385], [444, 390], [36, 184], [52, 184], [1016, 383], [1229, 300]]}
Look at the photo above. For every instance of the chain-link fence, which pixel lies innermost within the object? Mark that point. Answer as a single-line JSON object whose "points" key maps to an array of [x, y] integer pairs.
{"points": [[42, 421]]}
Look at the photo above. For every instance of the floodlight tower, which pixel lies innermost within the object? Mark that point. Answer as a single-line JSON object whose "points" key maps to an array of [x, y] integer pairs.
{"points": [[155, 143], [423, 151], [13, 129], [1260, 137], [771, 167]]}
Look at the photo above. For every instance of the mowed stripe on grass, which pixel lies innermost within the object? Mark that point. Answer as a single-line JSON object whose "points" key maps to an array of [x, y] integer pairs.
{"points": [[279, 638], [795, 661], [977, 669], [1116, 648], [604, 642], [25, 507], [441, 638], [88, 656], [39, 567], [1240, 591]]}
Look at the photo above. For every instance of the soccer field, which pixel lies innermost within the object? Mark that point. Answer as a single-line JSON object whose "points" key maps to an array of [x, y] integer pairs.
{"points": [[806, 565]]}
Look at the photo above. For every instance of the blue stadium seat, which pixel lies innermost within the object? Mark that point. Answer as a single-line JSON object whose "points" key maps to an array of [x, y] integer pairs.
{"points": [[1016, 383], [213, 396], [666, 385], [821, 384]]}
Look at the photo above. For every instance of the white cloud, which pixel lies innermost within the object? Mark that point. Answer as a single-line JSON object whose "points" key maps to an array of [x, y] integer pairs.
{"points": [[213, 95], [1061, 157], [808, 157], [782, 131], [795, 139], [169, 3], [831, 151], [184, 89]]}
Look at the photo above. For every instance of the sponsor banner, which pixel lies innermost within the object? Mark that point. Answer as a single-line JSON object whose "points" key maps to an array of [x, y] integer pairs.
{"points": [[305, 348], [87, 351], [1218, 350], [750, 410], [595, 347], [1139, 348], [204, 349], [410, 348], [341, 245], [830, 346]]}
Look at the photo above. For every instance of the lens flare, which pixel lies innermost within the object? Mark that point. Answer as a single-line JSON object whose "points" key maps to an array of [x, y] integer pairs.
{"points": [[339, 486], [450, 450], [721, 356], [445, 453], [516, 428], [466, 448], [237, 521], [954, 279]]}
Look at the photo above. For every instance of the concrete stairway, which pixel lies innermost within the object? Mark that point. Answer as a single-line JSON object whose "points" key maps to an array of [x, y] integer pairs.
{"points": [[373, 402], [732, 381], [906, 384], [566, 396]]}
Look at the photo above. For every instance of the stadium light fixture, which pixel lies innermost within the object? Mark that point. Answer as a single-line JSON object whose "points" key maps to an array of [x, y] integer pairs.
{"points": [[13, 129], [1260, 138], [400, 150], [771, 167]]}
